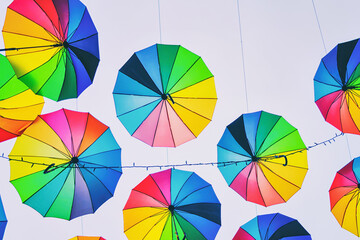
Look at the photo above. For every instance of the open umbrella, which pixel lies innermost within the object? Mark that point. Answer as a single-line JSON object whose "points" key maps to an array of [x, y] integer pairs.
{"points": [[262, 157], [172, 204], [337, 87], [65, 164], [86, 238], [344, 196], [52, 45], [19, 106], [272, 227], [165, 95], [3, 220]]}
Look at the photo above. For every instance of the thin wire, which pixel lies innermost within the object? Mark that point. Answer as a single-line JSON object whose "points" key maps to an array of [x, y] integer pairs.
{"points": [[242, 56], [159, 21], [318, 22]]}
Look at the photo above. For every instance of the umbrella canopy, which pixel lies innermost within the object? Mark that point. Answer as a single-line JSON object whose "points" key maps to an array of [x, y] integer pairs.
{"points": [[344, 196], [172, 204], [165, 95], [65, 164], [3, 220], [56, 46], [19, 106], [272, 227], [262, 157], [337, 87], [86, 238]]}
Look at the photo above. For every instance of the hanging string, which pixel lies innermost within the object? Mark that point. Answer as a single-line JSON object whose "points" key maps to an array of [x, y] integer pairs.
{"points": [[317, 19], [242, 56], [159, 21], [52, 166], [323, 41]]}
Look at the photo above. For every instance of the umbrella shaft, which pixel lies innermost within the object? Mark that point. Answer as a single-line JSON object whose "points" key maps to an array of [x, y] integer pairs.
{"points": [[17, 49]]}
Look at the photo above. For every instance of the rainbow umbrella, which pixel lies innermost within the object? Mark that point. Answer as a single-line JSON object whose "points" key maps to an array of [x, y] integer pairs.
{"points": [[3, 220], [86, 238], [52, 45], [337, 87], [172, 204], [272, 227], [262, 157], [344, 196], [165, 95], [19, 106], [65, 164]]}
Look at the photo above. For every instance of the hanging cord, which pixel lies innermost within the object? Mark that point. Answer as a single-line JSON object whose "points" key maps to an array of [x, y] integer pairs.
{"points": [[242, 56], [159, 21], [52, 167], [323, 41], [317, 19]]}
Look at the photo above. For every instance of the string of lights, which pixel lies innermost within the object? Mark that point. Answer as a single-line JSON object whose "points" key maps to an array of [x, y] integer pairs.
{"points": [[52, 167]]}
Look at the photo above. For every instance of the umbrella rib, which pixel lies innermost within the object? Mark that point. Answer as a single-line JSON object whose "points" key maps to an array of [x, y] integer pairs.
{"points": [[169, 203], [235, 153], [139, 108], [165, 206], [350, 96], [272, 128], [161, 218], [328, 84], [154, 215], [172, 67], [191, 225], [34, 51], [267, 230], [178, 202], [295, 130], [257, 182], [192, 85], [340, 82], [279, 177], [172, 135], [73, 32], [35, 37], [76, 151], [182, 186], [57, 65], [246, 190], [183, 74], [347, 205], [85, 169], [84, 38], [157, 123], [194, 112], [335, 99], [19, 108]]}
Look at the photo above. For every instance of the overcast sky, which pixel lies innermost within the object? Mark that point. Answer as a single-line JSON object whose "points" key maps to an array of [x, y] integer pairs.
{"points": [[282, 49]]}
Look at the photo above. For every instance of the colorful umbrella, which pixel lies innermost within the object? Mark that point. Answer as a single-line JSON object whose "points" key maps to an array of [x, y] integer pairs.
{"points": [[86, 238], [262, 157], [52, 45], [165, 95], [272, 227], [172, 204], [337, 87], [19, 106], [3, 220], [66, 164], [344, 196]]}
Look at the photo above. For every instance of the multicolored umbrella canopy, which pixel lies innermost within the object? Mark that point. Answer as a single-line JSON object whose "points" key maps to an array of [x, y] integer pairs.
{"points": [[344, 196], [3, 220], [65, 164], [272, 227], [19, 106], [52, 45], [165, 95], [172, 204], [337, 87], [262, 157], [86, 238]]}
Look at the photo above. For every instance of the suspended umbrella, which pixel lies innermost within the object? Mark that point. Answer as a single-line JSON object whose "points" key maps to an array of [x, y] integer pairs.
{"points": [[262, 157], [272, 227], [172, 204], [66, 164], [344, 196], [337, 86], [52, 45], [3, 220], [165, 95], [19, 106], [86, 238]]}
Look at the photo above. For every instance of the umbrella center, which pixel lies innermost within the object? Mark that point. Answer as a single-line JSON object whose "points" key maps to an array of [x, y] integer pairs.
{"points": [[164, 96], [254, 159], [66, 44], [345, 87], [171, 209], [74, 160], [358, 185]]}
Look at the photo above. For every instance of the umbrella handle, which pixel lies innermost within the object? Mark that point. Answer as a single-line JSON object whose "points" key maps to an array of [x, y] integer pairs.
{"points": [[50, 168], [172, 100], [286, 161]]}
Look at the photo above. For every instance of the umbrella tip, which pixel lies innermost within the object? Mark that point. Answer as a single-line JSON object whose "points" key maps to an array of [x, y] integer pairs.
{"points": [[66, 44], [171, 209], [358, 185], [254, 158], [163, 96], [74, 160]]}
